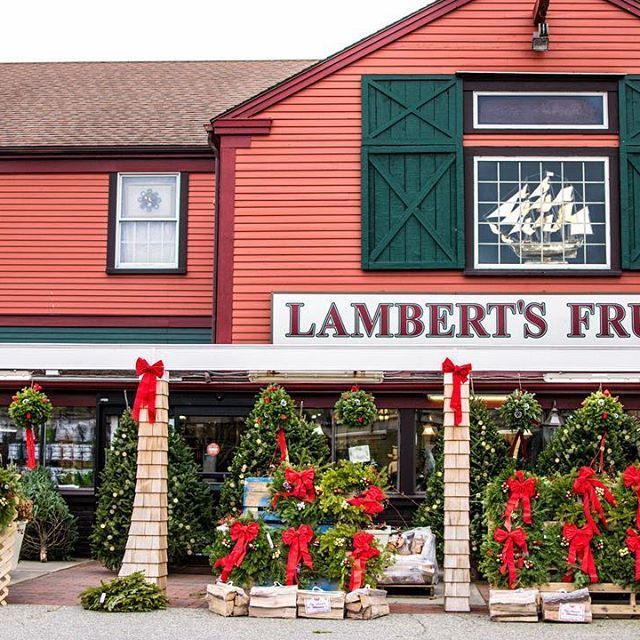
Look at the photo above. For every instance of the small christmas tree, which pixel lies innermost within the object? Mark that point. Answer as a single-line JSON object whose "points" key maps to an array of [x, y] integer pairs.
{"points": [[53, 530], [598, 434], [189, 498], [488, 460], [260, 452]]}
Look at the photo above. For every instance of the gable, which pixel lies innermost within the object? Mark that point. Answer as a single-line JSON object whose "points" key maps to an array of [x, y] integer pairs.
{"points": [[477, 18]]}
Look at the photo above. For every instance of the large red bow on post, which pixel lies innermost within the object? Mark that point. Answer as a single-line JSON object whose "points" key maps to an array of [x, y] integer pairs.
{"points": [[510, 541], [370, 500], [460, 376], [242, 535], [298, 540], [633, 544], [580, 549], [301, 483], [631, 479], [521, 489], [146, 394], [585, 485], [363, 551]]}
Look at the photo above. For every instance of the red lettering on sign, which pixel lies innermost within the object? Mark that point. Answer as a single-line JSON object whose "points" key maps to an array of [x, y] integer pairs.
{"points": [[333, 322], [294, 322], [438, 320], [609, 321], [534, 315], [362, 316], [501, 309], [579, 320], [471, 317], [409, 322]]}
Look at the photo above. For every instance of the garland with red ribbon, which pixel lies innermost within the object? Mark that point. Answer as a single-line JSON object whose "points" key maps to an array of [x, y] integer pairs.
{"points": [[242, 535], [146, 394], [363, 551], [585, 485], [633, 544], [631, 480], [298, 541], [460, 376], [521, 491], [282, 445], [298, 485], [31, 447], [579, 540], [371, 500], [511, 542]]}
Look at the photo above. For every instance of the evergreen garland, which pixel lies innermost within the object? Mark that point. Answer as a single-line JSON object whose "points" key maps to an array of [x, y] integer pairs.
{"points": [[257, 455], [189, 499], [576, 443], [488, 460]]}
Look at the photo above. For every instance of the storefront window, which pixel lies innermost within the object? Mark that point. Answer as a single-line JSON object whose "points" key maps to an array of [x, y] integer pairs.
{"points": [[67, 441], [213, 440], [428, 425]]}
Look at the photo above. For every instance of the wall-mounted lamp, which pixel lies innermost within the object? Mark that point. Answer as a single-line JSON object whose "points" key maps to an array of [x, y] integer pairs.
{"points": [[541, 36]]}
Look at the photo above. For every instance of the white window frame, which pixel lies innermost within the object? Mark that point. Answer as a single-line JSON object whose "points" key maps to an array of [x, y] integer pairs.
{"points": [[578, 127], [542, 266], [118, 264]]}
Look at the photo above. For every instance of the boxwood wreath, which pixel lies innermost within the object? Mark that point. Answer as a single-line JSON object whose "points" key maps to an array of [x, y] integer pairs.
{"points": [[346, 486], [356, 408]]}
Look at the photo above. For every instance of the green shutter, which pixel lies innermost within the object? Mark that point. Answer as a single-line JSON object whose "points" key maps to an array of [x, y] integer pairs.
{"points": [[412, 174], [630, 171]]}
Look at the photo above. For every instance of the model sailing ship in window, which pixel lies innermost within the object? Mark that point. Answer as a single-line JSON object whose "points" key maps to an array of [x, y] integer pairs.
{"points": [[540, 226], [542, 213]]}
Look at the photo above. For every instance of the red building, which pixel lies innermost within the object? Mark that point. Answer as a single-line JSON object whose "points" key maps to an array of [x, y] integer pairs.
{"points": [[464, 181]]}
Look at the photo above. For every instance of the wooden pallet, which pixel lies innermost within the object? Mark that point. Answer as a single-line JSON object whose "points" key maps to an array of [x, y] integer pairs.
{"points": [[607, 600]]}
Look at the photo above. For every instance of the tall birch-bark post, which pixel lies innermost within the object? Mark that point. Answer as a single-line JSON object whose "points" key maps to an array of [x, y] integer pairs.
{"points": [[457, 463], [146, 548]]}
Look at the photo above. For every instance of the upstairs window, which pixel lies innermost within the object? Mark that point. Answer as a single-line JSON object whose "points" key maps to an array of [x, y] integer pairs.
{"points": [[147, 223], [540, 110]]}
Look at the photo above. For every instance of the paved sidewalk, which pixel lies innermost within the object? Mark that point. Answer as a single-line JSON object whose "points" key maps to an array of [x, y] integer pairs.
{"points": [[72, 623]]}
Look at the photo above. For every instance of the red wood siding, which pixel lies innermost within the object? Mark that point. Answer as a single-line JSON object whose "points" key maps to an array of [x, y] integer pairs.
{"points": [[297, 210], [53, 251]]}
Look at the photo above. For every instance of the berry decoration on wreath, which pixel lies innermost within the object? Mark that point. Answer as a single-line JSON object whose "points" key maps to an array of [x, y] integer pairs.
{"points": [[356, 408], [29, 409]]}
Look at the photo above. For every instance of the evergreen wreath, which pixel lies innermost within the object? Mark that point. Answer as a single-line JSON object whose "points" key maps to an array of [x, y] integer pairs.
{"points": [[343, 481], [296, 506], [356, 408], [30, 407], [131, 594]]}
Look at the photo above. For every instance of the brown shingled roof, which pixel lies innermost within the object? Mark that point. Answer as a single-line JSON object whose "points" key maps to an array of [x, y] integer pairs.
{"points": [[107, 104]]}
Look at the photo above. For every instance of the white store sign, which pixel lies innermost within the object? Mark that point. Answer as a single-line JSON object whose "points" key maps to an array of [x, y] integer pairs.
{"points": [[449, 320]]}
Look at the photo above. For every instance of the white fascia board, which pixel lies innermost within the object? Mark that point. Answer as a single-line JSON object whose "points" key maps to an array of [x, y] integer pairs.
{"points": [[330, 358]]}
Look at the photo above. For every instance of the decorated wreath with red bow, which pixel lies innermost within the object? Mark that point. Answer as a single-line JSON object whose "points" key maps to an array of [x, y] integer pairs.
{"points": [[29, 409], [294, 495]]}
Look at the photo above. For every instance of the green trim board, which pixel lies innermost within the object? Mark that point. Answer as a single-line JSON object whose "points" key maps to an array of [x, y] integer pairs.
{"points": [[93, 335], [412, 185]]}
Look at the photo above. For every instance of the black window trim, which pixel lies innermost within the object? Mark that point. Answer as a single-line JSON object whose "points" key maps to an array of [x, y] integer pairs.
{"points": [[181, 269]]}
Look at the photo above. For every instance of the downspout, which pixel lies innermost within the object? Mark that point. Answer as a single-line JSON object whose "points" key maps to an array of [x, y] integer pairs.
{"points": [[211, 140]]}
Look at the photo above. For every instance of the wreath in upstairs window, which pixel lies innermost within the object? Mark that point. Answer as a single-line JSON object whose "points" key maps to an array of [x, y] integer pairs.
{"points": [[149, 200]]}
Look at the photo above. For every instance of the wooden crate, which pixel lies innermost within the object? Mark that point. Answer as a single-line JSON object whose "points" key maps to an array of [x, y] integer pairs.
{"points": [[607, 600], [256, 499], [319, 604], [227, 600]]}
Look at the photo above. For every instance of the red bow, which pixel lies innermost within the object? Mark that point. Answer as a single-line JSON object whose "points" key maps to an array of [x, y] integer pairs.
{"points": [[631, 479], [363, 551], [370, 500], [510, 541], [282, 445], [580, 549], [460, 375], [242, 535], [146, 394], [521, 489], [633, 544], [301, 485], [31, 448], [298, 540], [585, 485]]}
